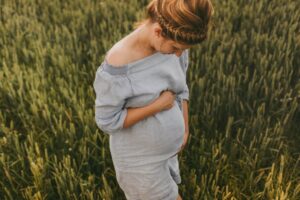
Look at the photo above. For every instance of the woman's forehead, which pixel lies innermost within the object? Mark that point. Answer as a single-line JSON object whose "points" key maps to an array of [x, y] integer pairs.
{"points": [[181, 46], [178, 44]]}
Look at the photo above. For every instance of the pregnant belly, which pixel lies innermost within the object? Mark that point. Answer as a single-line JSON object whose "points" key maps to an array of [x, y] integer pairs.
{"points": [[156, 137], [169, 133]]}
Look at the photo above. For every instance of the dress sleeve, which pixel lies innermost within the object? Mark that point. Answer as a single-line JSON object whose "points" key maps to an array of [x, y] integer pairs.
{"points": [[111, 94], [184, 61]]}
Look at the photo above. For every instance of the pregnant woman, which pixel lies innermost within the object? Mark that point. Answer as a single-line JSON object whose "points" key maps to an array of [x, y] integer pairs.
{"points": [[142, 97]]}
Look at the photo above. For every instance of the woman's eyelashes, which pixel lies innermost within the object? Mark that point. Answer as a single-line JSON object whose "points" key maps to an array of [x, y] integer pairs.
{"points": [[177, 49], [174, 49]]}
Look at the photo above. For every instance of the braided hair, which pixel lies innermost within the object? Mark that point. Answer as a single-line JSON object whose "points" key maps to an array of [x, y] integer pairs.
{"points": [[184, 21]]}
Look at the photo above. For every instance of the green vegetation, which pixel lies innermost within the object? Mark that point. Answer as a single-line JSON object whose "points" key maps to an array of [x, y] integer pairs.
{"points": [[244, 109]]}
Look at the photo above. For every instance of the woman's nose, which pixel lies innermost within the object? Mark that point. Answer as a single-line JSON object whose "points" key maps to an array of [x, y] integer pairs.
{"points": [[178, 53]]}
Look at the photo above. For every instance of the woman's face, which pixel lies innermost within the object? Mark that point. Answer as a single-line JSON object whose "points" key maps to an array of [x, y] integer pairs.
{"points": [[167, 46]]}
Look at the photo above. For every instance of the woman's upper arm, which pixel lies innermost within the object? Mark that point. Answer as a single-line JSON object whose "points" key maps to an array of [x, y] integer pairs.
{"points": [[112, 90]]}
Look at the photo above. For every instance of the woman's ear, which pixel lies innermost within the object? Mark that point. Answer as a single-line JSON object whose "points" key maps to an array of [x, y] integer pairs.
{"points": [[157, 30]]}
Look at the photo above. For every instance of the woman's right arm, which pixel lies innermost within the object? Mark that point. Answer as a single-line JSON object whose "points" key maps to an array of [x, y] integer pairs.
{"points": [[111, 94], [163, 102], [135, 115]]}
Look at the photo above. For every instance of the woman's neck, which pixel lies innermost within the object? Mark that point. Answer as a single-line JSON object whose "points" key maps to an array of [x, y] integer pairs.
{"points": [[139, 39]]}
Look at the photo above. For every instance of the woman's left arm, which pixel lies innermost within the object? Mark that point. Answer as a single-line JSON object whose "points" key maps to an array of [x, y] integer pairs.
{"points": [[185, 109], [184, 95]]}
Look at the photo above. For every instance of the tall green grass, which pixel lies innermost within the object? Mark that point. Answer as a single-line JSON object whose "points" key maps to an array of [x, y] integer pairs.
{"points": [[244, 108]]}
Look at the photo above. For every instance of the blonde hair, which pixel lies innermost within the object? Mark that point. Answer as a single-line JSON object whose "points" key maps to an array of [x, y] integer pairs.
{"points": [[184, 21]]}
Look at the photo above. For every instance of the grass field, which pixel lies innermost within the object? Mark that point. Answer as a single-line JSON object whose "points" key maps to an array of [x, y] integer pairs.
{"points": [[244, 106]]}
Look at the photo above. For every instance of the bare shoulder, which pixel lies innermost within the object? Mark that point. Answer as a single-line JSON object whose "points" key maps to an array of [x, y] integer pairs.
{"points": [[118, 55]]}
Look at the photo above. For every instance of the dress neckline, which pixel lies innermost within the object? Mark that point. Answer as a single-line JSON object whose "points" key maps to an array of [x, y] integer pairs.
{"points": [[139, 61], [138, 65]]}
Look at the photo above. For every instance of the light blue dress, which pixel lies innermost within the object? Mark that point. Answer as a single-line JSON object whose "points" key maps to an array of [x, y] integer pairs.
{"points": [[145, 154]]}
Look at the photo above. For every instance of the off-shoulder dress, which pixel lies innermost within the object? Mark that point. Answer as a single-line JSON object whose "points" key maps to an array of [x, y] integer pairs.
{"points": [[144, 155]]}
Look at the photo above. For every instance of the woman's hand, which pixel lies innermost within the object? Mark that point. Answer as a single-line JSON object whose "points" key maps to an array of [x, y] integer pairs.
{"points": [[165, 101]]}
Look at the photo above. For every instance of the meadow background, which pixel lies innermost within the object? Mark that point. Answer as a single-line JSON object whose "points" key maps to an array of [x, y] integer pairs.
{"points": [[244, 109]]}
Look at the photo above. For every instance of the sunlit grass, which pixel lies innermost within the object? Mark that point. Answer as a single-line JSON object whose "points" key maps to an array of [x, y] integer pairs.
{"points": [[244, 108]]}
